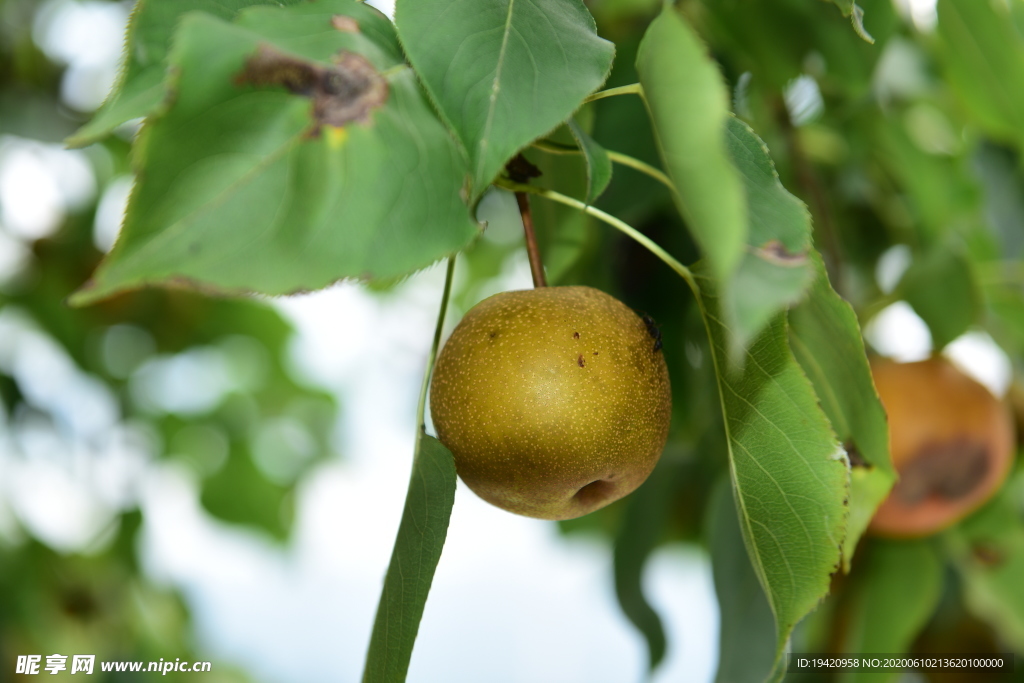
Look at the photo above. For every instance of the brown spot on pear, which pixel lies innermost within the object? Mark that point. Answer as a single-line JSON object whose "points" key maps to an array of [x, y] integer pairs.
{"points": [[951, 441]]}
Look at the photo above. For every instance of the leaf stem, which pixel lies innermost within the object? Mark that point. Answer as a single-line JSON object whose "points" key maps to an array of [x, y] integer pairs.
{"points": [[617, 157], [641, 166], [532, 250], [422, 407], [611, 220], [631, 89]]}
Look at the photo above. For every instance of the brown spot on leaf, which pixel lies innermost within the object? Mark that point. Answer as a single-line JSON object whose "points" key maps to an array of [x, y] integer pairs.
{"points": [[346, 92], [856, 459], [774, 251], [344, 24], [575, 335], [580, 362]]}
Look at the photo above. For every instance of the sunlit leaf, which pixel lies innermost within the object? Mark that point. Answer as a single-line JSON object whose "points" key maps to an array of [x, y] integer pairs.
{"points": [[790, 475], [245, 186], [826, 341], [503, 73], [421, 536]]}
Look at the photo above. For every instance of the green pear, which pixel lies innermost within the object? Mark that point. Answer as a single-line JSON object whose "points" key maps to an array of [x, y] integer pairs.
{"points": [[554, 401]]}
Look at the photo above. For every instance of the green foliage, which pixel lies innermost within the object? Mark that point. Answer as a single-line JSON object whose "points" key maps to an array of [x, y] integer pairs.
{"points": [[988, 550], [941, 289], [825, 339], [421, 534], [599, 165], [141, 88], [641, 528], [773, 272], [688, 104], [793, 524], [983, 53], [311, 202], [290, 145], [503, 73], [897, 588], [747, 632]]}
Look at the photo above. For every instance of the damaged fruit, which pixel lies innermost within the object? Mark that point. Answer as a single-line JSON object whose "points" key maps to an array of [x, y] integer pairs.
{"points": [[952, 444]]}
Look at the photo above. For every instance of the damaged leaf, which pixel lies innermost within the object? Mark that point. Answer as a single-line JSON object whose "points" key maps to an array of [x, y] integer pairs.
{"points": [[235, 195], [346, 91], [774, 271]]}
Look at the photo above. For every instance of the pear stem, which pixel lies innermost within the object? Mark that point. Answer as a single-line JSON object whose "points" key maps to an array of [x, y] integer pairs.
{"points": [[617, 157], [532, 250], [611, 220], [421, 410]]}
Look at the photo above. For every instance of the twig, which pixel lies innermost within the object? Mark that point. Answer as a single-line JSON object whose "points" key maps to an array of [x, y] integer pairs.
{"points": [[611, 220], [617, 157], [631, 89], [532, 250]]}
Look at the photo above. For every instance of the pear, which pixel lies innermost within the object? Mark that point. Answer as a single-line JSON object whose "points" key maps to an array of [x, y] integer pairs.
{"points": [[952, 444], [554, 401]]}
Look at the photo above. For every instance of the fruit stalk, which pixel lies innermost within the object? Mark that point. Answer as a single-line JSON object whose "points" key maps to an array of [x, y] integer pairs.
{"points": [[532, 250]]}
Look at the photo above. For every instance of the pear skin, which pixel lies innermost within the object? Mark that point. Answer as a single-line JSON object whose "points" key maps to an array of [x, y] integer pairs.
{"points": [[554, 401]]}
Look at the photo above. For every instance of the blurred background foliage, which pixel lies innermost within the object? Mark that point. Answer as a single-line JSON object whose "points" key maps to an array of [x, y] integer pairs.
{"points": [[907, 152]]}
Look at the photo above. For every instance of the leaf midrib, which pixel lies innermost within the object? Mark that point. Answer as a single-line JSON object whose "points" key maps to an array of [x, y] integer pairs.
{"points": [[495, 89]]}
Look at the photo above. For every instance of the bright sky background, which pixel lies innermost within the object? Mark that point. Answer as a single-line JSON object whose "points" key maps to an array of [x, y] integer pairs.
{"points": [[513, 601]]}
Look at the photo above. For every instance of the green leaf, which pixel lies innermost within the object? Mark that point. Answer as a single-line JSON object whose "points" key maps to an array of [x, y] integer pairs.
{"points": [[940, 287], [249, 187], [599, 166], [988, 550], [503, 73], [746, 643], [850, 9], [239, 494], [688, 103], [642, 527], [898, 585], [421, 535], [826, 340], [774, 270], [790, 475], [140, 88], [984, 58]]}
